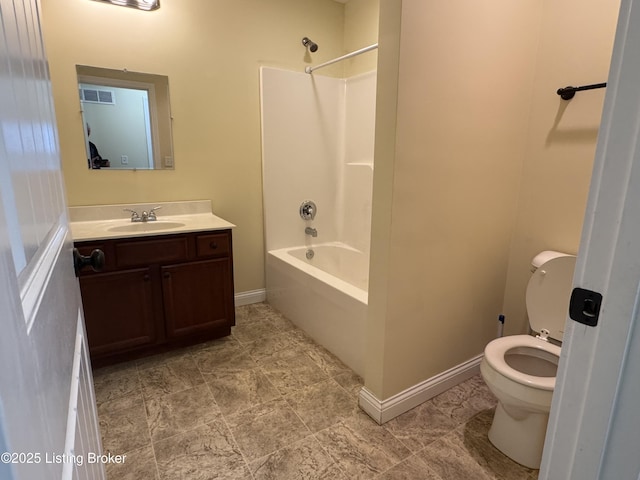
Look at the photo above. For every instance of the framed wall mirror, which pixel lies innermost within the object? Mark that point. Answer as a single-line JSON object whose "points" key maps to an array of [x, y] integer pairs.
{"points": [[126, 119]]}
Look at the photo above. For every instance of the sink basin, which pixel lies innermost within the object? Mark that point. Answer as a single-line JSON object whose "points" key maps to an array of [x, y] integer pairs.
{"points": [[146, 227]]}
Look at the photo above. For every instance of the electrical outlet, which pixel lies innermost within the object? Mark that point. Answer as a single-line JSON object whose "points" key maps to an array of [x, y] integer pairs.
{"points": [[124, 159]]}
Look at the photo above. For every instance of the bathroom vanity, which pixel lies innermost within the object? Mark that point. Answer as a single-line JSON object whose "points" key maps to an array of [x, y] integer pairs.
{"points": [[164, 284]]}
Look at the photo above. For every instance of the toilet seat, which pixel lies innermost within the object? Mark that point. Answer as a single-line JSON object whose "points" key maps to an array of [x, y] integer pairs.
{"points": [[495, 351]]}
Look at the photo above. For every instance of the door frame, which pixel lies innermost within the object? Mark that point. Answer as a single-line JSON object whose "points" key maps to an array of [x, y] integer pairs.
{"points": [[593, 432]]}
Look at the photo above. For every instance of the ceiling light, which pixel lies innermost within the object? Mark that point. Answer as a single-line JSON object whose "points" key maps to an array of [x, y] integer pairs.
{"points": [[140, 4]]}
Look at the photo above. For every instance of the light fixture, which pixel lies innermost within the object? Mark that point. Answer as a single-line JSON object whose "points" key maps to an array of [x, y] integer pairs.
{"points": [[139, 4]]}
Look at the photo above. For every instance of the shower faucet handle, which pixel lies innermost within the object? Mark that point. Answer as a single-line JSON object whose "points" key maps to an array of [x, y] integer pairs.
{"points": [[308, 210]]}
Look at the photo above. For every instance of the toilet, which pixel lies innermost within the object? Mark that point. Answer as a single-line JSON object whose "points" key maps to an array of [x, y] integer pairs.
{"points": [[520, 370]]}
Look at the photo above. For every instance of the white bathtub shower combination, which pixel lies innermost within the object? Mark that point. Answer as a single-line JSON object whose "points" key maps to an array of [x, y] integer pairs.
{"points": [[318, 137], [326, 296]]}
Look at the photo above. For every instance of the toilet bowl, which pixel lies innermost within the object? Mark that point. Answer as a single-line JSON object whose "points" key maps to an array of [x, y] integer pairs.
{"points": [[520, 370]]}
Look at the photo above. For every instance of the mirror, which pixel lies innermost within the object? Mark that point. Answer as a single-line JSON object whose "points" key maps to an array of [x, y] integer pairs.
{"points": [[126, 119]]}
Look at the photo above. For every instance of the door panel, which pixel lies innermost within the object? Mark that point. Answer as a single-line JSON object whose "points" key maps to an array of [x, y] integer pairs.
{"points": [[195, 297], [39, 295], [119, 310]]}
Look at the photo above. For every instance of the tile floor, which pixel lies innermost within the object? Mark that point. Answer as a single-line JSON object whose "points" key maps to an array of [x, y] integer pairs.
{"points": [[269, 403]]}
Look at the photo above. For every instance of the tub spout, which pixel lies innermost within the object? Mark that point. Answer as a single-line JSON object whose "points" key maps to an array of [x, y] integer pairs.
{"points": [[311, 231]]}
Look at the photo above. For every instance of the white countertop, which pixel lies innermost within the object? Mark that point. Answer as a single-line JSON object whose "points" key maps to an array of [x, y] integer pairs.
{"points": [[110, 221]]}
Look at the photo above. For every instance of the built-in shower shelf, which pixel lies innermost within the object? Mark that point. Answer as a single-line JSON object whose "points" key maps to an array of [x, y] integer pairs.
{"points": [[360, 164]]}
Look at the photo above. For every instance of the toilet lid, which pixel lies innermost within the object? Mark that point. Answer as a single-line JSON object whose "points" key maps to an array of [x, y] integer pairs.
{"points": [[548, 295]]}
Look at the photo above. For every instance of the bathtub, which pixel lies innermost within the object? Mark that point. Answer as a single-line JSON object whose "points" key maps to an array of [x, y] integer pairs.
{"points": [[326, 296]]}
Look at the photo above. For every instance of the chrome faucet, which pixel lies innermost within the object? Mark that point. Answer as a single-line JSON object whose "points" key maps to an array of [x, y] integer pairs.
{"points": [[311, 231], [150, 216], [145, 216], [134, 215]]}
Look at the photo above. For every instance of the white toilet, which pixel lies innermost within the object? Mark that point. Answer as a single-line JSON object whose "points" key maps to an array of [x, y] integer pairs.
{"points": [[520, 370]]}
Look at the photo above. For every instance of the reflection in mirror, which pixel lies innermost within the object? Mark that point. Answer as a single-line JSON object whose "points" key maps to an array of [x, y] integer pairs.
{"points": [[126, 119]]}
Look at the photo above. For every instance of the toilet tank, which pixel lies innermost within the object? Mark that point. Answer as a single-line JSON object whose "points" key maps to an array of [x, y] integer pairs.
{"points": [[548, 293]]}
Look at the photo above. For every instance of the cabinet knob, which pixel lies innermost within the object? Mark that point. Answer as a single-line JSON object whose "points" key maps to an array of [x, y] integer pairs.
{"points": [[95, 260], [146, 278], [213, 245], [166, 275]]}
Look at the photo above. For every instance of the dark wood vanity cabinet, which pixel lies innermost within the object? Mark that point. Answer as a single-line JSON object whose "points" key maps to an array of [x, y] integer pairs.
{"points": [[119, 311], [157, 293], [183, 288]]}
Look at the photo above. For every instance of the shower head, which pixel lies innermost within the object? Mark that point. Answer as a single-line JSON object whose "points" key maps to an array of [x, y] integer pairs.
{"points": [[310, 44]]}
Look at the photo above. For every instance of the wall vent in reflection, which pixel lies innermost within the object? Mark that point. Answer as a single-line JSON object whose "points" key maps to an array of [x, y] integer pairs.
{"points": [[95, 95]]}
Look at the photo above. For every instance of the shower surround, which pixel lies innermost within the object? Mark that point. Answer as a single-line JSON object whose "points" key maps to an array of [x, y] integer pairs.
{"points": [[317, 144]]}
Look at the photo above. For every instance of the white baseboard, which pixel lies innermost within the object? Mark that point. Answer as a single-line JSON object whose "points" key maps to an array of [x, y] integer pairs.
{"points": [[384, 410], [251, 296]]}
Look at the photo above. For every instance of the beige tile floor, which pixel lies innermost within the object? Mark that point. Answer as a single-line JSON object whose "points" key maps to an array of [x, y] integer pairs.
{"points": [[269, 403]]}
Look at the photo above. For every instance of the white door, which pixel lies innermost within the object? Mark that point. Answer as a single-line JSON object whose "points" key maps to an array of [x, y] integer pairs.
{"points": [[594, 427], [48, 423]]}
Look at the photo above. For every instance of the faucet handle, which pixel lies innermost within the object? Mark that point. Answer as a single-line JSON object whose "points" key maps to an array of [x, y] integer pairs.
{"points": [[308, 210], [134, 214], [152, 213]]}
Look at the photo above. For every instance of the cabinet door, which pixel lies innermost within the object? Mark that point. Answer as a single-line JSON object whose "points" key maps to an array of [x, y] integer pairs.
{"points": [[198, 297], [118, 310]]}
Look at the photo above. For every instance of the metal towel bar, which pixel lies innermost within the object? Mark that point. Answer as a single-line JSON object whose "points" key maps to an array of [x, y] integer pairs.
{"points": [[567, 93]]}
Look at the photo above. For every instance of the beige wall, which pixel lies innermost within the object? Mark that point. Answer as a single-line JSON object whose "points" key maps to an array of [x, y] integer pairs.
{"points": [[382, 201], [478, 166], [211, 51], [360, 30], [575, 49], [445, 194]]}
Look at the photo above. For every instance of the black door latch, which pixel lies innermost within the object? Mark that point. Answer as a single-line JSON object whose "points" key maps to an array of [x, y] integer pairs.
{"points": [[585, 306]]}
